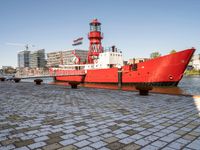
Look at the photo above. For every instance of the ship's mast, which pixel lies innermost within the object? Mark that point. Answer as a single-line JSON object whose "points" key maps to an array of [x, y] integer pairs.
{"points": [[95, 36]]}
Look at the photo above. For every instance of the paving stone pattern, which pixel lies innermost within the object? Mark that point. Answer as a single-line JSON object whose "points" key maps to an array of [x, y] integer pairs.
{"points": [[49, 117]]}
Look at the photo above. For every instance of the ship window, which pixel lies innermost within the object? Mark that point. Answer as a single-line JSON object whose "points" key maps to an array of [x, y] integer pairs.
{"points": [[134, 67]]}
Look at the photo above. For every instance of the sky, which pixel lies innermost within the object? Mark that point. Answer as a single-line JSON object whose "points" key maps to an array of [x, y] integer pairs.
{"points": [[136, 27]]}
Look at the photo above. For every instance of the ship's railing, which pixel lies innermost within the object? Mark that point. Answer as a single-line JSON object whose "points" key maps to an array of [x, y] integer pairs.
{"points": [[66, 72], [52, 73]]}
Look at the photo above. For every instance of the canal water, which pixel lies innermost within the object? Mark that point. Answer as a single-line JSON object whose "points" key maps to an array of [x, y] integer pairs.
{"points": [[188, 85]]}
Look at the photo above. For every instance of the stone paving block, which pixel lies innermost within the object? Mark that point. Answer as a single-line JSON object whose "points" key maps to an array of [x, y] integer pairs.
{"points": [[145, 133], [180, 132], [68, 142], [23, 143], [193, 133], [142, 142], [10, 141], [115, 146], [22, 148], [81, 137], [92, 129], [52, 146], [57, 130], [42, 138], [176, 145], [54, 140], [105, 130], [167, 138], [7, 147], [183, 141], [32, 132], [87, 148], [95, 139], [186, 129], [151, 138], [67, 136], [159, 144], [111, 139], [150, 147], [81, 132], [52, 135], [69, 131], [169, 148], [131, 146], [160, 134], [36, 145], [194, 145], [69, 147], [153, 130], [136, 137], [95, 133], [104, 148], [3, 138], [188, 137], [98, 144], [81, 128], [122, 135], [118, 131], [28, 137], [69, 126], [166, 131], [139, 129], [82, 143], [127, 140], [43, 133]]}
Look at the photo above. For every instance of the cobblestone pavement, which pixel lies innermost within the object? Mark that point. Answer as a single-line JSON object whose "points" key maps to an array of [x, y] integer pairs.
{"points": [[51, 117]]}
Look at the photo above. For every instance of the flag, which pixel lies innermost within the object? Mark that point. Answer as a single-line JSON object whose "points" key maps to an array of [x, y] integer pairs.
{"points": [[78, 41]]}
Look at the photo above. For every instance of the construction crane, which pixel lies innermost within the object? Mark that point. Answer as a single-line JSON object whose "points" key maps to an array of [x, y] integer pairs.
{"points": [[27, 46]]}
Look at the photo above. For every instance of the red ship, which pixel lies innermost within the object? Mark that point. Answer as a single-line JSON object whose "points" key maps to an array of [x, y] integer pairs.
{"points": [[106, 66]]}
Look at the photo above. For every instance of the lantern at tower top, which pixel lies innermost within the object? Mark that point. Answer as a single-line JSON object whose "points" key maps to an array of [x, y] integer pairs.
{"points": [[95, 36], [95, 25]]}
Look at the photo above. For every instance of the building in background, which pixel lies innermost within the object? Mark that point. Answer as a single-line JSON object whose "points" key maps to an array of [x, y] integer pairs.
{"points": [[54, 59], [66, 57], [74, 57], [37, 59], [196, 62], [24, 59]]}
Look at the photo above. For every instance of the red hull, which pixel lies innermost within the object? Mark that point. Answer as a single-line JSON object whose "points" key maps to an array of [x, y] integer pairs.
{"points": [[164, 71], [78, 78]]}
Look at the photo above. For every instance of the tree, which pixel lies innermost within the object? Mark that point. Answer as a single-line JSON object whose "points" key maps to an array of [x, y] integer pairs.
{"points": [[155, 54], [173, 51]]}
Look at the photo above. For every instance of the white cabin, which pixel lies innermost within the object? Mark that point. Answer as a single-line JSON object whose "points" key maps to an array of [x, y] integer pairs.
{"points": [[106, 59]]}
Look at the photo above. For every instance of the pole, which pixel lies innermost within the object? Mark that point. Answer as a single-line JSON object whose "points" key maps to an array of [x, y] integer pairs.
{"points": [[119, 78]]}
